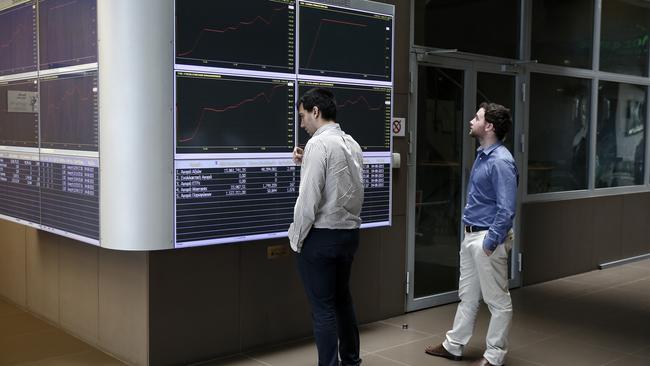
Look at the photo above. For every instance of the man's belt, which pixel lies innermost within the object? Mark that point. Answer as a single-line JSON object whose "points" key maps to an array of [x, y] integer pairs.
{"points": [[474, 229]]}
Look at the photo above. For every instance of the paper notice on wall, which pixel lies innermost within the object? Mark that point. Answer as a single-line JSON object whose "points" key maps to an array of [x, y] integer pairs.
{"points": [[19, 101]]}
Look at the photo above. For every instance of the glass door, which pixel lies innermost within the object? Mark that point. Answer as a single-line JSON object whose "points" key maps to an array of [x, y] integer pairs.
{"points": [[445, 97]]}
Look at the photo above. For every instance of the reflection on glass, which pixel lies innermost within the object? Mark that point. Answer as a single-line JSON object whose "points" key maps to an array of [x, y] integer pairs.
{"points": [[558, 133], [500, 89], [438, 182], [487, 27], [557, 38], [620, 146], [624, 37]]}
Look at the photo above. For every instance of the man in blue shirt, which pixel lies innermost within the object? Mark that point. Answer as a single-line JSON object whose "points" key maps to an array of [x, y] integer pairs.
{"points": [[488, 218]]}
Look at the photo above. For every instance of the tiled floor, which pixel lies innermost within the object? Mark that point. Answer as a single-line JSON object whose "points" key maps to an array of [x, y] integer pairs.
{"points": [[596, 318]]}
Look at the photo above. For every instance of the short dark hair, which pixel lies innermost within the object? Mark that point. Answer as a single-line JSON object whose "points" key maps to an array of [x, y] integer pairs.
{"points": [[499, 116], [321, 98]]}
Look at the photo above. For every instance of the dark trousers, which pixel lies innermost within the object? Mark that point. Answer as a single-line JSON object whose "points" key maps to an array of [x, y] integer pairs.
{"points": [[324, 264]]}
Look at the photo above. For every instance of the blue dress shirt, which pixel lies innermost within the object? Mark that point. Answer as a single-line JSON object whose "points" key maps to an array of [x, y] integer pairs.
{"points": [[492, 193]]}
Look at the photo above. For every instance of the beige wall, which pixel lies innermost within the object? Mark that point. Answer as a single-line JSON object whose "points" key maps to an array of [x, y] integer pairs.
{"points": [[100, 296]]}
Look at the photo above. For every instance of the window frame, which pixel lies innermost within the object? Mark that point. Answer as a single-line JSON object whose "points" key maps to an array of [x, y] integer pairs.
{"points": [[525, 67]]}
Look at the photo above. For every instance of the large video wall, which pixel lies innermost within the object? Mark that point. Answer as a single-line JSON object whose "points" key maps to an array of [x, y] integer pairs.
{"points": [[240, 68], [49, 143]]}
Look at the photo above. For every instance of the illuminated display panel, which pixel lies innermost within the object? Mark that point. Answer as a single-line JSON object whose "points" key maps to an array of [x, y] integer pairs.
{"points": [[19, 113], [226, 201], [68, 33], [219, 113], [70, 196], [236, 121], [18, 51], [232, 201], [345, 43], [69, 115], [363, 112], [251, 34], [20, 186]]}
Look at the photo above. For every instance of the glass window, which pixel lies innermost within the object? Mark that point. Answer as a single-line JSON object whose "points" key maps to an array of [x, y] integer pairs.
{"points": [[495, 88], [486, 27], [558, 133], [438, 185], [620, 146], [563, 32], [624, 37]]}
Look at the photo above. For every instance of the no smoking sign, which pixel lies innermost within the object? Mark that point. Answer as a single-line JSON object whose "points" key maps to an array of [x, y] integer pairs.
{"points": [[398, 127]]}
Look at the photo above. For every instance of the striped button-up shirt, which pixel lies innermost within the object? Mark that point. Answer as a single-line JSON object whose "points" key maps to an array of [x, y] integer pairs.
{"points": [[331, 184]]}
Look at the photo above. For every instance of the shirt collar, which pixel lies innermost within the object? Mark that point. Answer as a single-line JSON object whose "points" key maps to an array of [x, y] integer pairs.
{"points": [[326, 127], [488, 150]]}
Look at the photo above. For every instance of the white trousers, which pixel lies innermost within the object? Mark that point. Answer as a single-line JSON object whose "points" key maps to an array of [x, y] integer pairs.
{"points": [[482, 277]]}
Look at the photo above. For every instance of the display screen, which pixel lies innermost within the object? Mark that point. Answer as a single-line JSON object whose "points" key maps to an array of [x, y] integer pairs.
{"points": [[69, 115], [251, 34], [240, 69], [363, 112], [70, 196], [230, 202], [376, 192], [68, 33], [49, 122], [219, 113], [344, 43], [19, 113], [238, 200], [20, 186], [18, 49]]}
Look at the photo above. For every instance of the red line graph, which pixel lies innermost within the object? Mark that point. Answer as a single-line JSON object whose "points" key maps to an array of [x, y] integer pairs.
{"points": [[63, 5], [227, 29], [83, 97], [266, 95], [320, 26], [357, 101], [68, 114]]}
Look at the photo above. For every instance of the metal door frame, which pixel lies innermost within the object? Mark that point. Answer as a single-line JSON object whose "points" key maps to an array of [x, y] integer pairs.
{"points": [[471, 65]]}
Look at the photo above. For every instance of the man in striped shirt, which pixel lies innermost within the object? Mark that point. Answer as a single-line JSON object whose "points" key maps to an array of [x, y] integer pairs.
{"points": [[325, 228]]}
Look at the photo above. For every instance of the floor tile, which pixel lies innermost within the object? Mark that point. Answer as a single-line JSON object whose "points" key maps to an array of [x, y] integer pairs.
{"points": [[21, 323], [8, 309], [561, 351], [376, 360], [93, 357], [378, 336], [234, 361], [432, 321], [610, 277], [295, 354], [629, 361], [628, 337], [640, 288], [36, 346], [641, 264], [643, 353], [552, 291], [519, 337], [413, 354]]}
